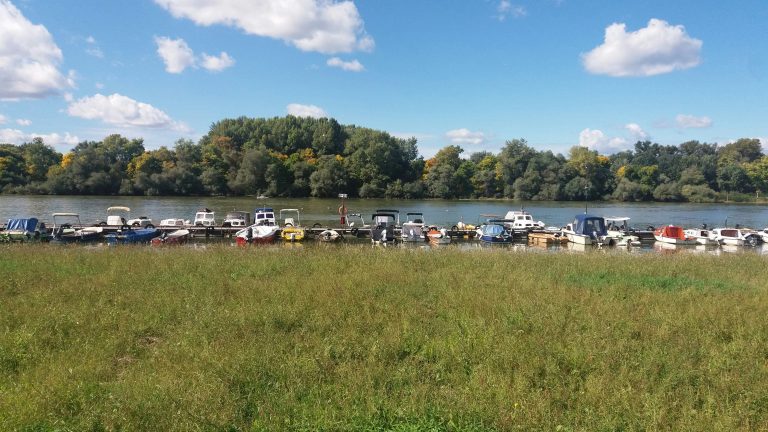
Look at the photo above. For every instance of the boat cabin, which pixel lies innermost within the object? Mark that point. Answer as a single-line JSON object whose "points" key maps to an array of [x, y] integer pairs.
{"points": [[117, 215], [205, 217], [237, 219], [393, 213], [264, 216], [588, 225]]}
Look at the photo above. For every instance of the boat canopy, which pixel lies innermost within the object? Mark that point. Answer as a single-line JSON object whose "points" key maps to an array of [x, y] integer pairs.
{"points": [[118, 208], [27, 225], [672, 231], [493, 230], [589, 225]]}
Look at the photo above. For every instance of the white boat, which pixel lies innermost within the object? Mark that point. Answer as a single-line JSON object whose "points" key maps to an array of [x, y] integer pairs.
{"points": [[618, 229], [673, 235], [257, 234], [413, 229], [735, 237], [701, 235], [521, 220], [587, 230], [763, 233], [205, 217], [236, 219], [174, 222], [329, 236]]}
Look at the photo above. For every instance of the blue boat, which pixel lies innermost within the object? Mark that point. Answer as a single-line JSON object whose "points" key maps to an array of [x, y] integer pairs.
{"points": [[588, 229], [494, 233], [132, 236], [24, 230]]}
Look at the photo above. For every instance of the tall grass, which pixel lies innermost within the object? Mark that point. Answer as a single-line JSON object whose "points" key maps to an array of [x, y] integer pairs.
{"points": [[355, 338]]}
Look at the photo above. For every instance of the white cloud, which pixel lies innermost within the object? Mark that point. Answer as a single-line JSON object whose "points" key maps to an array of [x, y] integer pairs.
{"points": [[325, 26], [636, 131], [93, 47], [464, 136], [595, 139], [506, 9], [177, 56], [764, 143], [685, 121], [29, 58], [352, 66], [3, 119], [15, 136], [120, 110], [656, 49], [300, 110], [23, 122], [216, 64]]}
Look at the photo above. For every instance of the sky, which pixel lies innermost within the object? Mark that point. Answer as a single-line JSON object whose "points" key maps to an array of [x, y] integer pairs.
{"points": [[474, 73]]}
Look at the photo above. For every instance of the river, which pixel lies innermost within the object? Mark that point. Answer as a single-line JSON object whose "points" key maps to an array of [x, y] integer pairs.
{"points": [[438, 212]]}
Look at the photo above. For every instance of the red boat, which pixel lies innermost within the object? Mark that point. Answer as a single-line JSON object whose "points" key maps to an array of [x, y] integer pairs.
{"points": [[673, 235]]}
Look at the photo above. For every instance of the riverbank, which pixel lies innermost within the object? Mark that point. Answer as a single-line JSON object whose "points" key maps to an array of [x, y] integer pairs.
{"points": [[366, 339]]}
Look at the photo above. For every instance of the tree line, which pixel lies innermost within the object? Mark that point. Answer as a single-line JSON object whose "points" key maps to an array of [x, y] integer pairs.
{"points": [[299, 157]]}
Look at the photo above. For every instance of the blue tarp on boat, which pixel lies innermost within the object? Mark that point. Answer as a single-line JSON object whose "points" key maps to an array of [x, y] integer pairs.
{"points": [[27, 225], [493, 230], [589, 225]]}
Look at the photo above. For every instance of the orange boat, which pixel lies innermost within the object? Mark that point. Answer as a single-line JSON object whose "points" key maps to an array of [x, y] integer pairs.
{"points": [[673, 235]]}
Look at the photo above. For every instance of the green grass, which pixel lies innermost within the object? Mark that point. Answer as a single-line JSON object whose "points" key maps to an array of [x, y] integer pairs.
{"points": [[355, 338]]}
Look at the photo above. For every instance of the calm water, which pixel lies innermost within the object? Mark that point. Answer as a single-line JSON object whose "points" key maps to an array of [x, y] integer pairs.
{"points": [[439, 212]]}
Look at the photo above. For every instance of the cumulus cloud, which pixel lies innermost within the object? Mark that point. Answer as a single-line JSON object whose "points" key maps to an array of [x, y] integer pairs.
{"points": [[120, 110], [636, 131], [23, 122], [15, 136], [506, 9], [216, 63], [595, 139], [656, 49], [177, 56], [300, 110], [351, 66], [325, 26], [685, 121], [29, 58], [464, 136]]}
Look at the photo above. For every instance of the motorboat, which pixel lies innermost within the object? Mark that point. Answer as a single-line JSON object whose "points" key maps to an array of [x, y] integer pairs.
{"points": [[205, 217], [237, 219], [174, 223], [394, 212], [65, 230], [257, 234], [292, 230], [588, 230], [437, 236], [132, 236], [413, 229], [24, 230], [763, 233], [329, 236], [673, 235], [522, 220], [383, 227], [701, 235], [494, 232], [264, 216], [735, 237], [618, 229], [177, 237]]}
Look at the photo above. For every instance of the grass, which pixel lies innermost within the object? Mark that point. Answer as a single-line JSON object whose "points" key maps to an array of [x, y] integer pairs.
{"points": [[356, 338]]}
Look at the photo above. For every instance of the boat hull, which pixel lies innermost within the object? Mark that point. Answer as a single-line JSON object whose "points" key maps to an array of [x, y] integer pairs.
{"points": [[676, 241]]}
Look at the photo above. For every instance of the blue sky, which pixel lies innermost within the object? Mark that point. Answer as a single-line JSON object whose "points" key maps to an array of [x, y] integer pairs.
{"points": [[598, 73]]}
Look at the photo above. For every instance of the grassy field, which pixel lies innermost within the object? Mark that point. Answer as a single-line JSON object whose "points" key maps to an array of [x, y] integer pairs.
{"points": [[356, 338]]}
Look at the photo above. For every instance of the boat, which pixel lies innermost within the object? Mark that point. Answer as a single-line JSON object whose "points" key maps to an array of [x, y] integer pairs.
{"points": [[175, 223], [117, 216], [413, 229], [264, 216], [292, 230], [257, 234], [701, 235], [237, 219], [383, 227], [618, 229], [132, 236], [24, 230], [522, 220], [673, 235], [177, 237], [735, 237], [205, 217], [394, 212], [437, 236], [588, 230], [763, 233], [329, 236], [494, 232], [65, 230]]}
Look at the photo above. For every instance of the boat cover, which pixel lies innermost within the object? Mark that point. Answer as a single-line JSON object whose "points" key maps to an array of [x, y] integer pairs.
{"points": [[493, 230], [27, 225], [585, 224], [672, 231]]}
